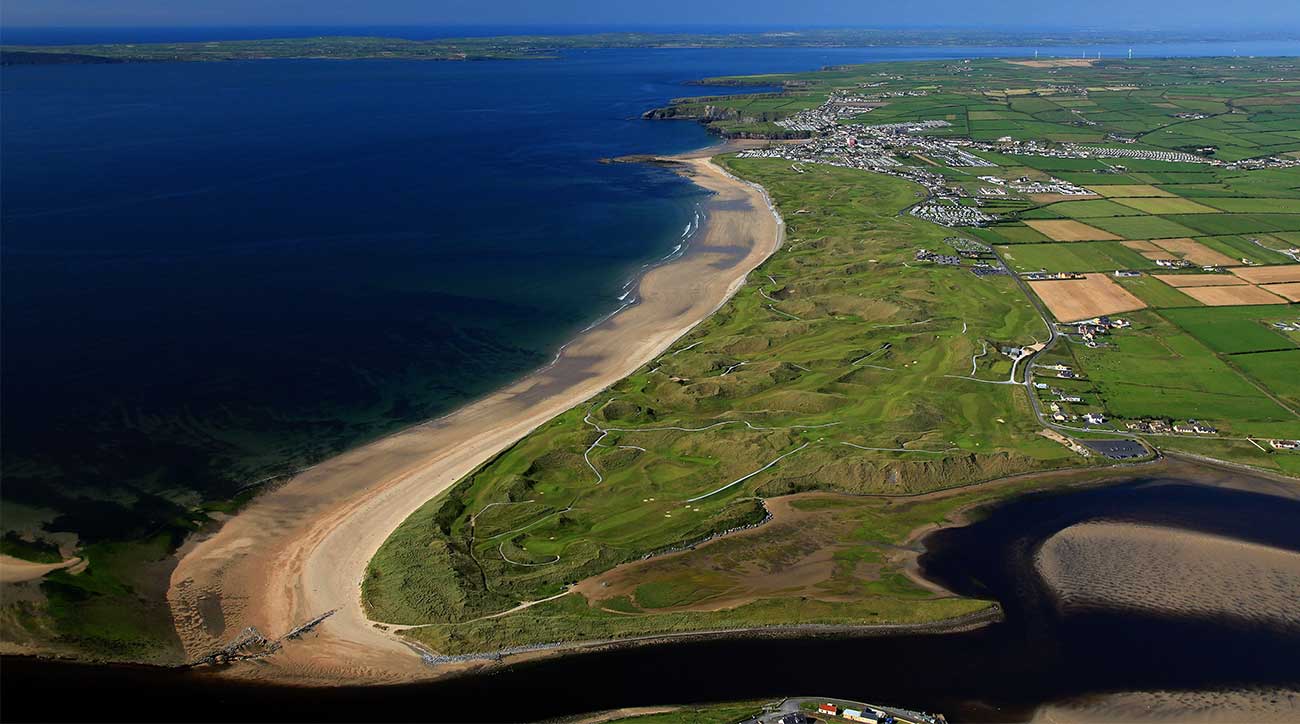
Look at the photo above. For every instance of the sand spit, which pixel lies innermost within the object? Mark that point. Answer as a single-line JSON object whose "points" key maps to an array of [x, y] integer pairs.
{"points": [[302, 549], [17, 570], [1166, 570]]}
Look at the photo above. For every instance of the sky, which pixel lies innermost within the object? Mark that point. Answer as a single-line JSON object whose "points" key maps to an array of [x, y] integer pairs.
{"points": [[1055, 14]]}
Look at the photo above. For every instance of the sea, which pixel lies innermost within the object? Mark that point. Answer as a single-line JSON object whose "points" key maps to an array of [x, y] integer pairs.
{"points": [[216, 274]]}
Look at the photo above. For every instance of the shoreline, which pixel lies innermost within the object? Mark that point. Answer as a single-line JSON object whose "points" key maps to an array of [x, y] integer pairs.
{"points": [[303, 548]]}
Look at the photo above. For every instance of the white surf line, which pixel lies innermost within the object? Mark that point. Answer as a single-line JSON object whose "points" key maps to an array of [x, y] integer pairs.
{"points": [[977, 356], [747, 477], [501, 549], [900, 449]]}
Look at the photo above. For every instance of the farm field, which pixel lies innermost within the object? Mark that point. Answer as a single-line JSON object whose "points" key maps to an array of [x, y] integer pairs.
{"points": [[1236, 329], [1071, 300], [1077, 256], [1156, 370], [1156, 293]]}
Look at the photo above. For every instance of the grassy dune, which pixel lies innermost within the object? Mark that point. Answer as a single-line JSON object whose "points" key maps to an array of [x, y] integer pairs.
{"points": [[837, 344]]}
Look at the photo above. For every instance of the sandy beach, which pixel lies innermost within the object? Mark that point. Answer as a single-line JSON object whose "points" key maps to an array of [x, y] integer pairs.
{"points": [[302, 550], [16, 570]]}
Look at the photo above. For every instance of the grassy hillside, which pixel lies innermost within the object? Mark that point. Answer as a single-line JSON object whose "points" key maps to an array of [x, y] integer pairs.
{"points": [[830, 362]]}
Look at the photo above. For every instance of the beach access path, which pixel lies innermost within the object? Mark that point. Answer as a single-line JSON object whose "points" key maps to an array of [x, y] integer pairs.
{"points": [[302, 549]]}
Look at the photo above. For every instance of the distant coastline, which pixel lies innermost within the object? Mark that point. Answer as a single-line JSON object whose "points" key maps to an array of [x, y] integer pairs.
{"points": [[533, 46]]}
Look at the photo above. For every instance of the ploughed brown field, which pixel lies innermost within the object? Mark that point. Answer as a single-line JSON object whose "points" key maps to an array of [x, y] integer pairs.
{"points": [[1071, 300], [1231, 295], [1195, 252], [1069, 230], [1129, 191], [1200, 280], [1290, 290], [1269, 274]]}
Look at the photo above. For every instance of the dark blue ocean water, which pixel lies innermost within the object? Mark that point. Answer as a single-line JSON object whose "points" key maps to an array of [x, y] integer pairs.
{"points": [[217, 272]]}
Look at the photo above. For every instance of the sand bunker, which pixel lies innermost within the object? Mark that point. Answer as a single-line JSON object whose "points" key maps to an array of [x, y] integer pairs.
{"points": [[1170, 571]]}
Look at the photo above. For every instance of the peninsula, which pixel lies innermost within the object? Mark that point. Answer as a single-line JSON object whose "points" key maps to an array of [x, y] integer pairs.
{"points": [[920, 287]]}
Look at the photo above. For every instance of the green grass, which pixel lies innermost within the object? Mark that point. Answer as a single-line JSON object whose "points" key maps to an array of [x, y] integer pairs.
{"points": [[1277, 371], [1079, 256], [844, 291], [1143, 227], [1081, 210], [1157, 370], [36, 551], [797, 372], [728, 713], [1156, 293], [1235, 329]]}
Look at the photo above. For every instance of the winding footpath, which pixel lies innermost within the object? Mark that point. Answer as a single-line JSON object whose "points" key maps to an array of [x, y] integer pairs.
{"points": [[303, 548]]}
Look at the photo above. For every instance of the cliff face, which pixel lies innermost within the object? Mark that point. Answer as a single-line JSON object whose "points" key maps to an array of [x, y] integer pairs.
{"points": [[723, 120], [706, 113]]}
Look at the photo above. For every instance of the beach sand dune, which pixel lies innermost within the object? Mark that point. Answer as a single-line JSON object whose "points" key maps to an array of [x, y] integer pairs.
{"points": [[302, 549]]}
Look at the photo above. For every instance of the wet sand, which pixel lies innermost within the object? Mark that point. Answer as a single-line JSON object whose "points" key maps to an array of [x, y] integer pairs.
{"points": [[302, 549], [1152, 569]]}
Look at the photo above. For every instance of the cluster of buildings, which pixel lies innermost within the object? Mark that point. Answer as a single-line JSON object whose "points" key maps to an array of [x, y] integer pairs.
{"points": [[868, 715], [937, 258], [950, 214], [1166, 427], [1090, 329], [1046, 276], [1065, 372]]}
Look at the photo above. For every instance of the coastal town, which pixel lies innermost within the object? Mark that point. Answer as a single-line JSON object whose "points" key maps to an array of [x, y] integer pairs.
{"points": [[803, 710]]}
